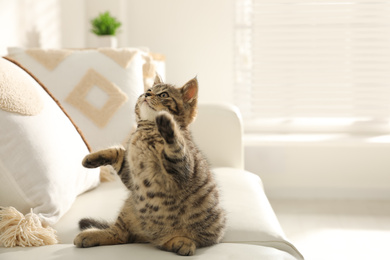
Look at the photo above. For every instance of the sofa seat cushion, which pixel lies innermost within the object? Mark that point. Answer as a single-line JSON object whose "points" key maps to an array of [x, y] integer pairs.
{"points": [[145, 252], [250, 218]]}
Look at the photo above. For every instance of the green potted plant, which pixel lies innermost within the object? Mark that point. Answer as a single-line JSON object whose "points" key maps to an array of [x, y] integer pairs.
{"points": [[105, 27]]}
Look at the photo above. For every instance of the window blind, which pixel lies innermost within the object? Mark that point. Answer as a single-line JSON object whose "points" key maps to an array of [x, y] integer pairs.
{"points": [[313, 65]]}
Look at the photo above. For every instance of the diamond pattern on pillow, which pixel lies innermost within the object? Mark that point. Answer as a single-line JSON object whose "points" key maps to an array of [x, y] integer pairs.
{"points": [[100, 116], [49, 58], [121, 56]]}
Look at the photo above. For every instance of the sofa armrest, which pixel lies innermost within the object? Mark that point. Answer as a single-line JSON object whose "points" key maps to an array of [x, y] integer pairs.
{"points": [[218, 132]]}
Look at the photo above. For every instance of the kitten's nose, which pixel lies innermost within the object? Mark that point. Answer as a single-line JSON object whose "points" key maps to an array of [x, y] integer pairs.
{"points": [[147, 94]]}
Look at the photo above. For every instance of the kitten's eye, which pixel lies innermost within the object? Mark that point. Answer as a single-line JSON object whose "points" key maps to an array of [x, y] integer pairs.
{"points": [[164, 95]]}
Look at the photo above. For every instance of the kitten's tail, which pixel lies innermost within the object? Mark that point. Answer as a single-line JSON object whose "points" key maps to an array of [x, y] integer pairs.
{"points": [[86, 223]]}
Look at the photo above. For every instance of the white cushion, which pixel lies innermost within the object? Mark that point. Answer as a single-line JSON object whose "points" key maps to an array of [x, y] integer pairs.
{"points": [[40, 149], [250, 218], [145, 252], [97, 87]]}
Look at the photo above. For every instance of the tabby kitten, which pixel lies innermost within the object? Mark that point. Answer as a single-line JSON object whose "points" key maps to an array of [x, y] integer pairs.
{"points": [[173, 201]]}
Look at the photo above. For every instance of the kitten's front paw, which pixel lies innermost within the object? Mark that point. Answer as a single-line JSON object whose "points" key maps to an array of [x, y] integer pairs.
{"points": [[94, 160], [86, 239], [180, 245], [90, 161], [165, 124]]}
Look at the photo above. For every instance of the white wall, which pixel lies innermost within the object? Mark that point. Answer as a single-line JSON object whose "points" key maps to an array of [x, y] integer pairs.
{"points": [[73, 24], [30, 23], [196, 36], [9, 24]]}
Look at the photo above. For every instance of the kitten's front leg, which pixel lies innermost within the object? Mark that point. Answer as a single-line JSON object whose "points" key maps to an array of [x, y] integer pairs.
{"points": [[166, 126], [112, 156], [180, 245], [116, 157], [175, 159]]}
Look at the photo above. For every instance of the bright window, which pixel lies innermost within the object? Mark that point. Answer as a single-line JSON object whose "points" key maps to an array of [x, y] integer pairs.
{"points": [[313, 65]]}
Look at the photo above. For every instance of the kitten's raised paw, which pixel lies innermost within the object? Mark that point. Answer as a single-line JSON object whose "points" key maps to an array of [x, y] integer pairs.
{"points": [[180, 245], [165, 124], [108, 156], [94, 160], [112, 156]]}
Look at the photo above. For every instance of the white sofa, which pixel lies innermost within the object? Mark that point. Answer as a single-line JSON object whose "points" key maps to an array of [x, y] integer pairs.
{"points": [[253, 230]]}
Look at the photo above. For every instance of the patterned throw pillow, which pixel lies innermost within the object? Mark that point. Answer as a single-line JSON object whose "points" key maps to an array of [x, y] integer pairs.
{"points": [[97, 87]]}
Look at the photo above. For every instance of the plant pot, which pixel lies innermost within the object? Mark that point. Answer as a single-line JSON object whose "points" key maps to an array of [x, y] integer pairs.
{"points": [[107, 41]]}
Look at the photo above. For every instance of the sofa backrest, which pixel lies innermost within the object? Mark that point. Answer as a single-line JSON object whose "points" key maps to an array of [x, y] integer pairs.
{"points": [[218, 132]]}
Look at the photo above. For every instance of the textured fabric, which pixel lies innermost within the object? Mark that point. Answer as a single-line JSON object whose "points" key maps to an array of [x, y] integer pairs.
{"points": [[40, 157], [16, 93], [27, 230], [97, 87]]}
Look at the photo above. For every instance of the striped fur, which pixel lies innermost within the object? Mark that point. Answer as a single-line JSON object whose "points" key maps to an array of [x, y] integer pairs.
{"points": [[174, 200]]}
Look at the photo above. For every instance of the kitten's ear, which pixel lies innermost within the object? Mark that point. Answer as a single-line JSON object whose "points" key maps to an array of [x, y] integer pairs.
{"points": [[190, 90], [157, 79]]}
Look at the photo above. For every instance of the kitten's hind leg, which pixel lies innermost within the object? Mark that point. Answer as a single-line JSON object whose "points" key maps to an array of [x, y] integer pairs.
{"points": [[123, 231], [109, 236], [99, 237], [180, 245], [112, 156]]}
